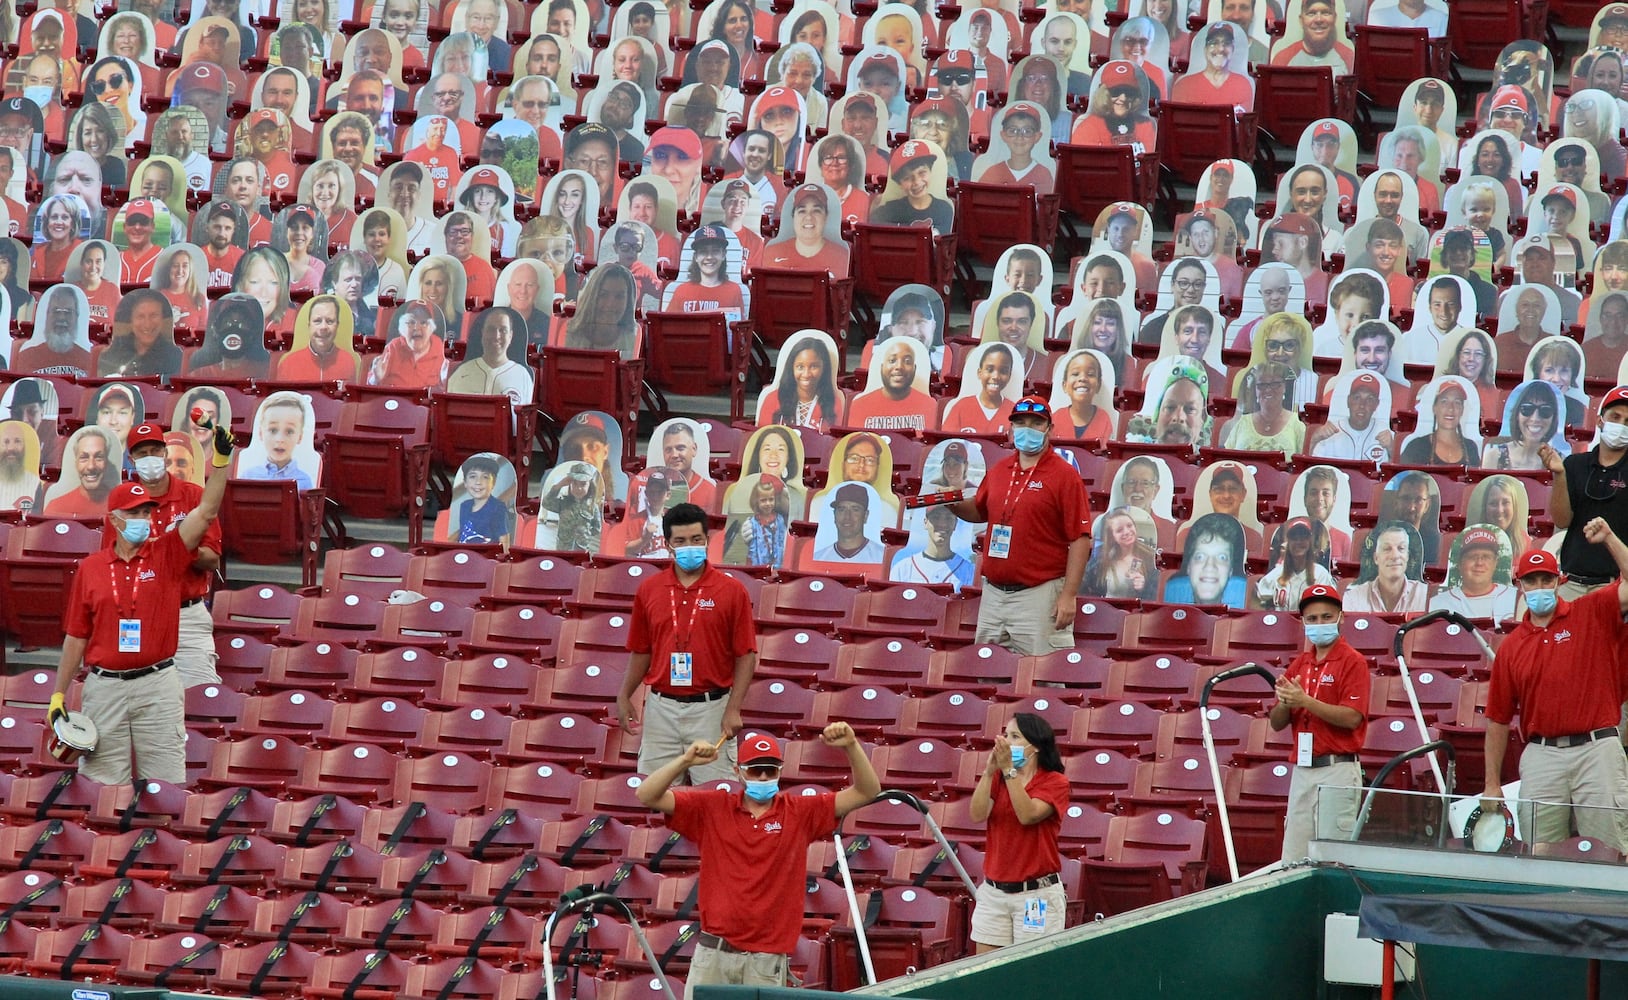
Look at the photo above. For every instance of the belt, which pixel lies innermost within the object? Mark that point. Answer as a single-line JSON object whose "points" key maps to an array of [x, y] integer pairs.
{"points": [[1589, 581], [1030, 886], [1008, 588], [693, 699], [716, 943], [1333, 758], [130, 675], [1565, 742], [189, 603]]}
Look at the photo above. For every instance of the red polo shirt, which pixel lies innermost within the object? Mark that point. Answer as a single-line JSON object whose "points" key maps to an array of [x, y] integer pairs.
{"points": [[148, 587], [305, 366], [1340, 679], [711, 619], [1566, 678], [1017, 853], [181, 499], [1046, 508], [752, 870]]}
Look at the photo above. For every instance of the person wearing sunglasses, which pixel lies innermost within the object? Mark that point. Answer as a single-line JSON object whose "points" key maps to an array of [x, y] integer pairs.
{"points": [[1037, 540], [1532, 419], [1588, 485]]}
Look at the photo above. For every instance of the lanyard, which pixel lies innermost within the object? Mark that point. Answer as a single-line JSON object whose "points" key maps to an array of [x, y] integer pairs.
{"points": [[681, 640], [133, 572], [1014, 491]]}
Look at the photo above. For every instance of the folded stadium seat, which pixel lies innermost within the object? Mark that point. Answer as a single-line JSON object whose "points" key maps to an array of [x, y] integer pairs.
{"points": [[992, 217], [356, 975], [297, 714], [628, 881], [451, 781], [126, 904], [570, 739], [1099, 623], [541, 580], [1157, 679], [983, 669], [870, 859], [1373, 637], [404, 927], [926, 767], [1289, 98], [452, 575], [1269, 638], [1436, 691], [956, 717], [262, 763], [435, 625], [898, 610], [785, 302], [1447, 648], [89, 954], [589, 940], [1193, 136], [613, 796], [595, 634], [588, 687], [796, 654], [259, 610], [241, 660], [1388, 60], [585, 841], [1146, 859], [317, 819], [183, 961], [360, 772], [46, 846], [214, 709], [313, 919], [344, 866], [493, 934], [479, 732], [28, 691], [1090, 178], [497, 835], [1172, 629], [781, 706], [404, 672], [1265, 744], [270, 968], [892, 821], [1583, 849], [461, 426], [575, 381], [888, 257], [452, 979], [610, 585], [17, 943], [906, 929], [138, 805], [872, 711], [696, 354], [1388, 736], [813, 602], [21, 736], [31, 897], [1478, 30], [59, 795], [515, 632], [209, 815], [1127, 726], [1466, 729], [376, 462], [1177, 784], [1181, 733], [315, 667], [1084, 831], [435, 876], [1255, 811], [372, 569], [812, 762], [894, 663], [241, 859], [36, 574], [148, 855], [529, 880], [351, 619], [1057, 713], [270, 522]]}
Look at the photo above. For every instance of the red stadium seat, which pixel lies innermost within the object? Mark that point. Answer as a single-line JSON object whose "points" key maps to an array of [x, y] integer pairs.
{"points": [[184, 961], [243, 860], [211, 815], [495, 934], [1090, 178], [806, 602], [138, 805], [696, 354], [82, 954], [1388, 60], [785, 302], [347, 866], [983, 669], [126, 904], [576, 381], [271, 968], [436, 877], [311, 919], [451, 781], [993, 217], [590, 688], [518, 630], [296, 714], [350, 619], [147, 855], [1147, 858], [457, 575], [541, 580], [1099, 775], [1478, 30], [360, 772], [268, 522], [36, 573], [1255, 810], [886, 257], [406, 673], [1158, 679], [895, 663], [911, 931], [376, 462], [49, 845], [924, 766], [796, 654], [461, 426], [263, 610], [1127, 726], [241, 660], [61, 795], [1166, 629], [1067, 674], [870, 710], [319, 819], [436, 625], [264, 763], [1193, 136], [1181, 733], [478, 732], [384, 925], [374, 570], [956, 717], [1289, 98], [898, 611]]}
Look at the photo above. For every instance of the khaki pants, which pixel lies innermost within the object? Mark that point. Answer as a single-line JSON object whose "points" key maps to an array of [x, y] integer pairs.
{"points": [[1021, 620], [1001, 918], [671, 726], [1310, 812], [145, 717], [711, 967], [1594, 774], [195, 652]]}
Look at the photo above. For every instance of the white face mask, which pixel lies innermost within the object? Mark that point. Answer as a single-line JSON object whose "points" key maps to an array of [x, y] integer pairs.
{"points": [[1614, 435], [150, 468]]}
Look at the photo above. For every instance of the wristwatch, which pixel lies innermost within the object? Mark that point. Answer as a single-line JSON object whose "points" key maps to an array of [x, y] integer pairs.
{"points": [[1011, 772]]}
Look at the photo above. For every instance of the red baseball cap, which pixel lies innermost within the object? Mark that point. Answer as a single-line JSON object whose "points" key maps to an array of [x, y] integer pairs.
{"points": [[129, 496], [1032, 406], [143, 434], [678, 137], [1615, 396], [1536, 561], [760, 748], [1365, 380], [1325, 130], [201, 74], [1119, 73], [959, 59], [1562, 191], [778, 97], [1510, 96], [1320, 592], [1295, 224]]}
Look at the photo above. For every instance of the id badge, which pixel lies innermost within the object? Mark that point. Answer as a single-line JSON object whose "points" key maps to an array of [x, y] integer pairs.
{"points": [[129, 635], [1303, 750], [1000, 541], [678, 670], [1034, 915]]}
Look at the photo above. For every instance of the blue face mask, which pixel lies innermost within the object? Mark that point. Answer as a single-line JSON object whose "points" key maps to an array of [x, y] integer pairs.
{"points": [[1323, 634], [136, 531], [1540, 602], [1019, 756], [41, 96], [762, 791], [690, 557], [1029, 440]]}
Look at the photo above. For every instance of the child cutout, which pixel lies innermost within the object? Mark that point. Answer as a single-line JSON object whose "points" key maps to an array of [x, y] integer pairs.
{"points": [[571, 509], [283, 446], [988, 391], [758, 510], [483, 502]]}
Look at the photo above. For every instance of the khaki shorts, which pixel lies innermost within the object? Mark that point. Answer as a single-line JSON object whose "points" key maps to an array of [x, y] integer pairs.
{"points": [[1337, 804], [1000, 918], [1594, 774], [711, 967], [1021, 620], [671, 726]]}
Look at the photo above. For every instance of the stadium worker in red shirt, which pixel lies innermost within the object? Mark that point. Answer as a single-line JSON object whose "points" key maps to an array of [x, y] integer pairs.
{"points": [[122, 623], [1022, 795], [754, 848], [1561, 672], [195, 650], [694, 643], [1037, 541], [1324, 695]]}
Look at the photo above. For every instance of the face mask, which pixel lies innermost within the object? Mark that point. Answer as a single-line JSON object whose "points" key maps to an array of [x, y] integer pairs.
{"points": [[1614, 435], [1540, 602], [150, 468], [690, 557], [1029, 440], [136, 531], [762, 791], [1019, 756], [41, 96], [1323, 634]]}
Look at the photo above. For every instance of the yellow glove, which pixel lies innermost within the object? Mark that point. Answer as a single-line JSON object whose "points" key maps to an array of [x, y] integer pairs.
{"points": [[58, 709], [222, 456]]}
